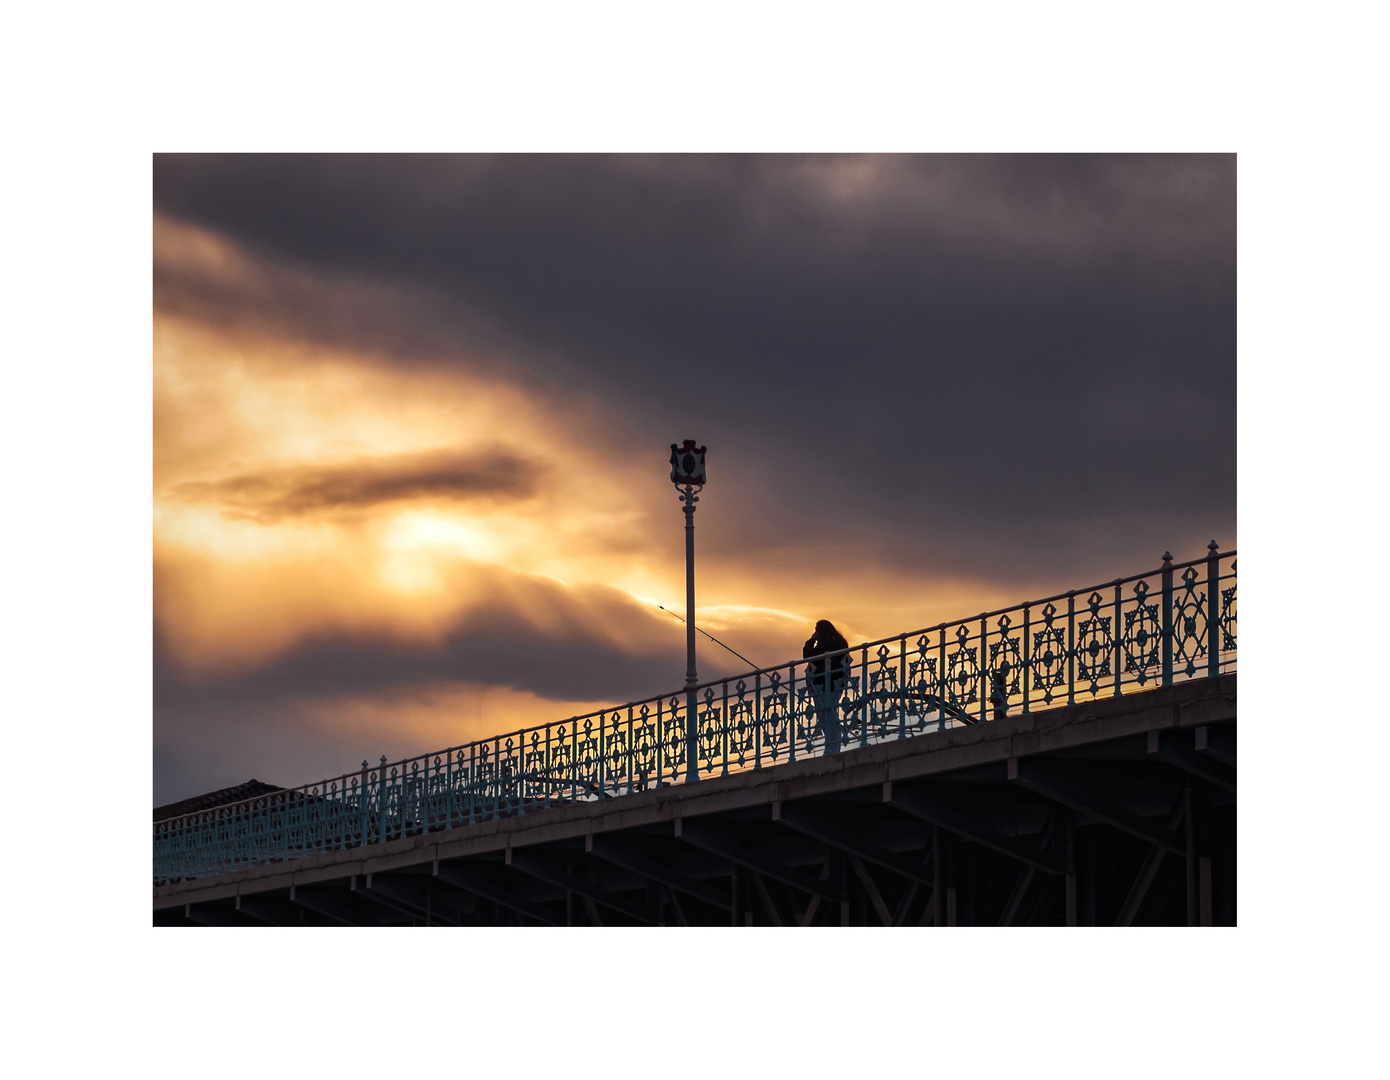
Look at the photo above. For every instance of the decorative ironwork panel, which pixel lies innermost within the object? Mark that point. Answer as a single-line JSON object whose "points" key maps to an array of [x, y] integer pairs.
{"points": [[884, 698], [1048, 662], [615, 754], [561, 770], [1189, 623], [742, 730], [513, 767], [644, 748], [808, 725], [711, 734], [963, 670], [1005, 659], [536, 787], [846, 705], [673, 745], [1143, 636], [588, 758], [776, 720], [1228, 617], [922, 683], [1095, 641]]}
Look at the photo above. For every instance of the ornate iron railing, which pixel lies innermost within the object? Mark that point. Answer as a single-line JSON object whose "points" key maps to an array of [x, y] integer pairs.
{"points": [[1174, 623]]}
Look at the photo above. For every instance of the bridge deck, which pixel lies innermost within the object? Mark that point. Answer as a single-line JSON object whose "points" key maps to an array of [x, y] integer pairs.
{"points": [[1120, 810]]}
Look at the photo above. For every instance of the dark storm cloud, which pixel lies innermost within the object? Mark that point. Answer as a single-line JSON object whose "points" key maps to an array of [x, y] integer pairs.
{"points": [[978, 362], [204, 725], [495, 646], [271, 495]]}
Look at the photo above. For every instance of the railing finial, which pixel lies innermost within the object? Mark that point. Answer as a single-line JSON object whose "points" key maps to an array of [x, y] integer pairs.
{"points": [[1213, 547], [1167, 557]]}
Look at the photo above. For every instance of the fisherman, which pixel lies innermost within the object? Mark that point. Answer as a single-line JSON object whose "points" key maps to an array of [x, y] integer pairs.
{"points": [[826, 685]]}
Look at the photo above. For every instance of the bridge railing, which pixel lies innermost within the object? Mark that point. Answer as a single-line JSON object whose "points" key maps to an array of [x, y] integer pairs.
{"points": [[1170, 624]]}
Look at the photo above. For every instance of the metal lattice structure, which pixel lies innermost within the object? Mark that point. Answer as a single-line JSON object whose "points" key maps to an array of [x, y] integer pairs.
{"points": [[1171, 624]]}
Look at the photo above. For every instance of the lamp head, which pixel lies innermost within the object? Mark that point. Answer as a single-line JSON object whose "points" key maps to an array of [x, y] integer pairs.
{"points": [[688, 464]]}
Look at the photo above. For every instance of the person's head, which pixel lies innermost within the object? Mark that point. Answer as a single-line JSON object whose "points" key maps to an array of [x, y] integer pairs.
{"points": [[825, 626]]}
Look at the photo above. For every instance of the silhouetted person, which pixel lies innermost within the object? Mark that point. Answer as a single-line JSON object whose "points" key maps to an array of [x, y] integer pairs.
{"points": [[826, 685]]}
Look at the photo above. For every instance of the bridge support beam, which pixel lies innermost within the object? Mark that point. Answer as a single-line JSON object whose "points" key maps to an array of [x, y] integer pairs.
{"points": [[1039, 778], [1020, 890], [871, 890], [1197, 831], [935, 812], [816, 826], [710, 839], [340, 905], [475, 880], [1217, 743], [270, 911], [770, 905], [550, 870], [1166, 746], [213, 915], [411, 895], [627, 858]]}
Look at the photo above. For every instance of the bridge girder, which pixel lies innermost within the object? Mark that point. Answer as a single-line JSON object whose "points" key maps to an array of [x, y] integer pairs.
{"points": [[1118, 811]]}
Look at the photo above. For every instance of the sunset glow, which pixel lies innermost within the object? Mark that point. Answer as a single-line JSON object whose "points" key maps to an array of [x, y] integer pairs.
{"points": [[376, 532]]}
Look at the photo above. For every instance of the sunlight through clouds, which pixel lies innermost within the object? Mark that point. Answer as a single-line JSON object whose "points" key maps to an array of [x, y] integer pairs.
{"points": [[409, 475], [340, 493]]}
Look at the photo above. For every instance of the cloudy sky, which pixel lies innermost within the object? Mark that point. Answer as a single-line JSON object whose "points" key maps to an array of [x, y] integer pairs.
{"points": [[413, 414]]}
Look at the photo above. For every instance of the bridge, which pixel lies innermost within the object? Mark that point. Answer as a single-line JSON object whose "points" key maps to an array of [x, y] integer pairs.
{"points": [[1068, 760]]}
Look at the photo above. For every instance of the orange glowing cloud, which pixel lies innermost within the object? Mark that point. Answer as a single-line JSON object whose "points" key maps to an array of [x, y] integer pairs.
{"points": [[299, 492], [304, 493]]}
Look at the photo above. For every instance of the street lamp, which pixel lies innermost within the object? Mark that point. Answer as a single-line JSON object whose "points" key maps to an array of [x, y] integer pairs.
{"points": [[688, 474]]}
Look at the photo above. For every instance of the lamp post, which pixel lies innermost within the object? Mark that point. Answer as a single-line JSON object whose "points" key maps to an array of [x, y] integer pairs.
{"points": [[688, 474]]}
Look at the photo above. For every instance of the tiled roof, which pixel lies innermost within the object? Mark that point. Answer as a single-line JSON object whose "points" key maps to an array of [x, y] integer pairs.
{"points": [[225, 797]]}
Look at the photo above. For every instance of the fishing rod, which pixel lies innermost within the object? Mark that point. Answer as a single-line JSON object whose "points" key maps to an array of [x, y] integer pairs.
{"points": [[713, 639]]}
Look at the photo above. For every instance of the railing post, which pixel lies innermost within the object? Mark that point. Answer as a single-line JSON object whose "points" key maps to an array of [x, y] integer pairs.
{"points": [[496, 778], [385, 803], [362, 805], [602, 752], [546, 773], [472, 782], [1167, 619], [941, 680], [984, 671], [629, 748], [425, 797], [863, 692], [758, 721], [902, 686], [1213, 611], [792, 732], [724, 726], [1027, 653], [449, 773], [1071, 647], [1116, 639], [660, 742]]}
